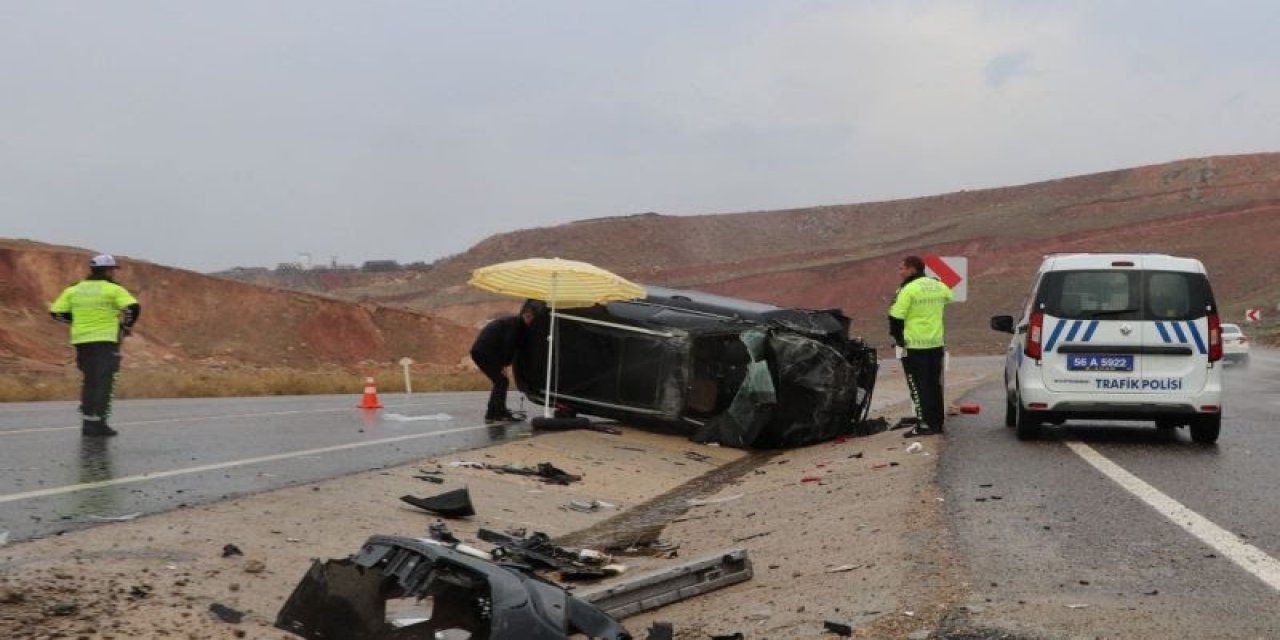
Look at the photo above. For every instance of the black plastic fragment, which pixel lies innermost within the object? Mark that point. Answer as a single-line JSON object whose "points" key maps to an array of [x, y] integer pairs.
{"points": [[450, 504]]}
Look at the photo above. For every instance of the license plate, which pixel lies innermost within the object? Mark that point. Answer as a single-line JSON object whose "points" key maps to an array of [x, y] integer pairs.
{"points": [[1089, 362]]}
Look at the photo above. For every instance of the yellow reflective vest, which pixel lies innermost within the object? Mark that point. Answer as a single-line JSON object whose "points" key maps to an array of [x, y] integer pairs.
{"points": [[95, 307], [919, 304]]}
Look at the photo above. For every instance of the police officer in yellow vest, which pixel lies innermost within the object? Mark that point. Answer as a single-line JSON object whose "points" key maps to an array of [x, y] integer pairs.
{"points": [[100, 313], [916, 324]]}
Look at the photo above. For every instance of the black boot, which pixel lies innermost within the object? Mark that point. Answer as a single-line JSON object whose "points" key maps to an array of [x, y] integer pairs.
{"points": [[96, 429]]}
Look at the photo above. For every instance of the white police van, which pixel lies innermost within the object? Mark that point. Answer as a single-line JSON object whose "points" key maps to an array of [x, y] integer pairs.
{"points": [[1116, 337]]}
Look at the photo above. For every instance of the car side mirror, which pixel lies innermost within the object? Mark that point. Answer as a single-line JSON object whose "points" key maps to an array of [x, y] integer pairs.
{"points": [[1002, 323]]}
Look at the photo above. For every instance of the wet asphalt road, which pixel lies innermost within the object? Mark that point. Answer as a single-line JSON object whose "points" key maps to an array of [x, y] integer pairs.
{"points": [[188, 451], [1048, 542]]}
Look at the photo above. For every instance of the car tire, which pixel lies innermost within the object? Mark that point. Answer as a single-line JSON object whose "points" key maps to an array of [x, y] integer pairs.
{"points": [[1204, 429], [1010, 412], [1025, 422]]}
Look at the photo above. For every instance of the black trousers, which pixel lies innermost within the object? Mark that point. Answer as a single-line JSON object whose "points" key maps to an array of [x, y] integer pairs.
{"points": [[99, 362], [492, 367], [924, 378]]}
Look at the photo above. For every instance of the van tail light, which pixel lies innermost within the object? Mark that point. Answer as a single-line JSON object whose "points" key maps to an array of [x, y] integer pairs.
{"points": [[1215, 338], [1035, 333]]}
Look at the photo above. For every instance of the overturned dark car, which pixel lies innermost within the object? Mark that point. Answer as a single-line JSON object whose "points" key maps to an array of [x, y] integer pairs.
{"points": [[735, 372]]}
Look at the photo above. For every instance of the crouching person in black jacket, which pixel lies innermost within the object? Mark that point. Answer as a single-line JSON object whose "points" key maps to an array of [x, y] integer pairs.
{"points": [[494, 350]]}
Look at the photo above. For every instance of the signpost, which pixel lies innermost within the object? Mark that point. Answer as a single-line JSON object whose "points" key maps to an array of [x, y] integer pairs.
{"points": [[953, 271], [1252, 315], [405, 362]]}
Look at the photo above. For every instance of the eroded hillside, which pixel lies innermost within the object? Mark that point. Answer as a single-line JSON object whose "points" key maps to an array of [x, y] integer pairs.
{"points": [[1223, 210], [191, 320]]}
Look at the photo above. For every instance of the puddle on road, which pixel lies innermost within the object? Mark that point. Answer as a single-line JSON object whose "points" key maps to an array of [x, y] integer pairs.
{"points": [[643, 524]]}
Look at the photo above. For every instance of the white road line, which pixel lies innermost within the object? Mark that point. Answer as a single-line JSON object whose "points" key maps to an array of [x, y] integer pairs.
{"points": [[1247, 556], [233, 416], [53, 491]]}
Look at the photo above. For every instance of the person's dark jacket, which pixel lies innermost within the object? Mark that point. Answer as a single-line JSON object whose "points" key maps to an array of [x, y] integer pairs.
{"points": [[500, 339], [896, 325]]}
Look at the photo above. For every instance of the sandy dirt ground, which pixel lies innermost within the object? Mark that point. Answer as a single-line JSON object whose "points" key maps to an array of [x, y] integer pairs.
{"points": [[846, 531]]}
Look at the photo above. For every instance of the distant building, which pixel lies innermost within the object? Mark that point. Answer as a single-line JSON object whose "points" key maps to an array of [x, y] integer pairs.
{"points": [[380, 265]]}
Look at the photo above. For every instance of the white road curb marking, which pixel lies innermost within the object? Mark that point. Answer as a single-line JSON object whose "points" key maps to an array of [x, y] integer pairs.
{"points": [[232, 416], [1247, 556], [14, 497]]}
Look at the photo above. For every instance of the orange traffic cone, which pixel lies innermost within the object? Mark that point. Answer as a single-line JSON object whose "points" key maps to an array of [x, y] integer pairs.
{"points": [[370, 399]]}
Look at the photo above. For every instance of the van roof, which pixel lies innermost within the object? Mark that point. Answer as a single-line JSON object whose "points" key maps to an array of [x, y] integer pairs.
{"points": [[1153, 261]]}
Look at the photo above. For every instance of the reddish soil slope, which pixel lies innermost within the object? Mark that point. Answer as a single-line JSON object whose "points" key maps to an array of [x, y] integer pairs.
{"points": [[1223, 210], [192, 318]]}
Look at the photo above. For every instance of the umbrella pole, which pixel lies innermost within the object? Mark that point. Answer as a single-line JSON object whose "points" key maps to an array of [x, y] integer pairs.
{"points": [[551, 351]]}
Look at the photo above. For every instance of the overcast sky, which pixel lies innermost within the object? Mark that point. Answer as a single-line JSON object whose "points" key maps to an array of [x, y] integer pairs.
{"points": [[213, 134]]}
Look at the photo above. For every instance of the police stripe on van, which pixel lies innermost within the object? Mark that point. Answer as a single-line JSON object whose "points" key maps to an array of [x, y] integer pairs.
{"points": [[1072, 332], [1182, 332], [1175, 332]]}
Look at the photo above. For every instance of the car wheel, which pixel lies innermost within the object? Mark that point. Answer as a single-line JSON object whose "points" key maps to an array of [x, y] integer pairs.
{"points": [[1204, 429], [1026, 422], [1010, 412]]}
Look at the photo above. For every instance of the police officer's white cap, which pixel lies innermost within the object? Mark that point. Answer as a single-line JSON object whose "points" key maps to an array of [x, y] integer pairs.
{"points": [[103, 260]]}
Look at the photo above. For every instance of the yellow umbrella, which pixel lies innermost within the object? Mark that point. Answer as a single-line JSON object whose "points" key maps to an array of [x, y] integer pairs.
{"points": [[562, 284]]}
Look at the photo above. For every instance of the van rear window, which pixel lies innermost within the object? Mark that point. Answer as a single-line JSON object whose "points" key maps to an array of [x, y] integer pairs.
{"points": [[1125, 295]]}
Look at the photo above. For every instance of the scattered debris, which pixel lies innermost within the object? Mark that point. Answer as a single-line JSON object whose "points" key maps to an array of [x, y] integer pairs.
{"points": [[544, 470], [903, 423], [348, 597], [1077, 606], [225, 613], [255, 566], [450, 504], [432, 479], [440, 531], [731, 636], [229, 550], [123, 518], [467, 463], [842, 568], [701, 502], [698, 457], [915, 447], [749, 537], [662, 587], [588, 506], [63, 609], [661, 631], [538, 551], [838, 628]]}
